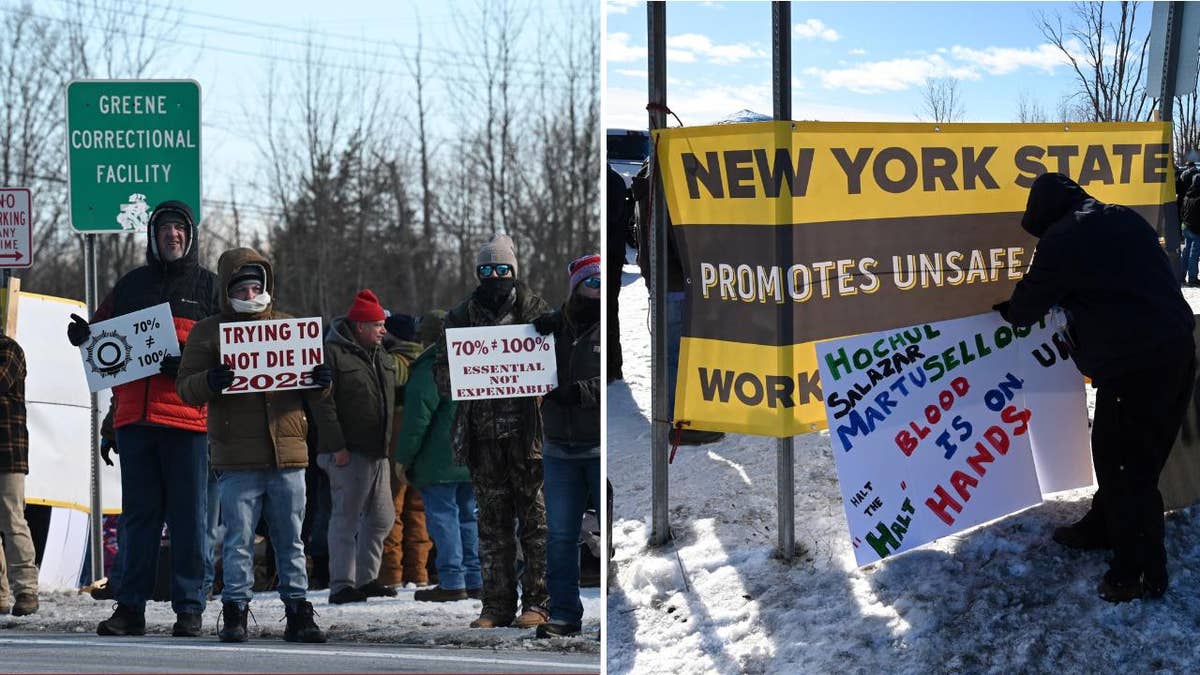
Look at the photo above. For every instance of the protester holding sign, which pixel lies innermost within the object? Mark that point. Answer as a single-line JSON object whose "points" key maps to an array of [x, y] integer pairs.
{"points": [[425, 460], [572, 450], [258, 445], [500, 441], [354, 430], [1132, 334], [161, 439]]}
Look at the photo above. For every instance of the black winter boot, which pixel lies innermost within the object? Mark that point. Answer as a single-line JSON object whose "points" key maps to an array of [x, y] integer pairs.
{"points": [[124, 621], [234, 614], [300, 624]]}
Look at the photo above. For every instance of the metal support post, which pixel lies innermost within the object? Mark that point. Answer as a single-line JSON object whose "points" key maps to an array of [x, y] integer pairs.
{"points": [[96, 519], [1166, 106], [660, 532]]}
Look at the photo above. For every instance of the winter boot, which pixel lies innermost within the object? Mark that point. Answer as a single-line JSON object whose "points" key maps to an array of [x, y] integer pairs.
{"points": [[439, 594], [489, 619], [1087, 534], [124, 621], [347, 594], [27, 603], [300, 624], [532, 616], [374, 589], [475, 593], [234, 614], [187, 624], [552, 629], [1115, 590]]}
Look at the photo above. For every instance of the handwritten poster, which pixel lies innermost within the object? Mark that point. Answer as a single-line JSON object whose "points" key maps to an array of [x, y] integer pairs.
{"points": [[932, 426]]}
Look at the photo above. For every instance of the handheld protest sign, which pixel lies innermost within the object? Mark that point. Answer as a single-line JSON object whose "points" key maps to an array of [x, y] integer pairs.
{"points": [[500, 362], [16, 224], [128, 347], [272, 355], [933, 427]]}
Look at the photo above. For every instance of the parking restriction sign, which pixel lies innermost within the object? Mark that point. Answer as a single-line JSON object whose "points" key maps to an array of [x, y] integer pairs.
{"points": [[16, 221]]}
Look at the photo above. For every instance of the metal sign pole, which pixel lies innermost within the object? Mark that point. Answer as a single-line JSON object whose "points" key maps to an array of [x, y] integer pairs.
{"points": [[660, 531], [1166, 106], [96, 519], [781, 72]]}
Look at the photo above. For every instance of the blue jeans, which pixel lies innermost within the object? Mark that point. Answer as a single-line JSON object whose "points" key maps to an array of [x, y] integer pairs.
{"points": [[570, 485], [676, 304], [451, 522], [1191, 255], [164, 473], [245, 496], [214, 521]]}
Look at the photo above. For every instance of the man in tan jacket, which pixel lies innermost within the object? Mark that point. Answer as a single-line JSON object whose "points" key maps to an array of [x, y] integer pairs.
{"points": [[257, 442]]}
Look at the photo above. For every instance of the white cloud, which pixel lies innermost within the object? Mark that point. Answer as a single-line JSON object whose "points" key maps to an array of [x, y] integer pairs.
{"points": [[695, 46], [618, 50], [632, 72], [621, 6], [625, 107], [858, 52], [890, 75], [1004, 60], [816, 29]]}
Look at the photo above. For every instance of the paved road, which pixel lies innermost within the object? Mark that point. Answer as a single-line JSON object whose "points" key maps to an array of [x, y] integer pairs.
{"points": [[49, 652]]}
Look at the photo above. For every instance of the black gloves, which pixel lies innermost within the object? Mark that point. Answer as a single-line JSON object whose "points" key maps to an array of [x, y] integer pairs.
{"points": [[170, 366], [322, 375], [78, 331], [106, 446], [1002, 307], [220, 377], [548, 323]]}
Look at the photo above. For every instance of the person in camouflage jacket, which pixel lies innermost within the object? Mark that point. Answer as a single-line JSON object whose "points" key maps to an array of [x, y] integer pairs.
{"points": [[500, 441]]}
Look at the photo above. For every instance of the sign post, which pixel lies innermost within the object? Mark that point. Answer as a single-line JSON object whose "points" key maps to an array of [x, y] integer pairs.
{"points": [[131, 144]]}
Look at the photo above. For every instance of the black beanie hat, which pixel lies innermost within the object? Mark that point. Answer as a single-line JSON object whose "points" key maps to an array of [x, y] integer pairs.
{"points": [[402, 326]]}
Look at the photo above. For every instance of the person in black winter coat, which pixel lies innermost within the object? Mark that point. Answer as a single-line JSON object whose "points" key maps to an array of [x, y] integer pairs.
{"points": [[571, 453], [1189, 215], [1131, 332]]}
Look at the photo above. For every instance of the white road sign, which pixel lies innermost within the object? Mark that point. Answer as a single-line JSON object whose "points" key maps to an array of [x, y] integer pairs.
{"points": [[500, 362], [16, 223], [128, 347]]}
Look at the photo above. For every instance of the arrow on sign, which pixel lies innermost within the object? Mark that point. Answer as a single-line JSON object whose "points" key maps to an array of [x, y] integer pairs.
{"points": [[15, 255]]}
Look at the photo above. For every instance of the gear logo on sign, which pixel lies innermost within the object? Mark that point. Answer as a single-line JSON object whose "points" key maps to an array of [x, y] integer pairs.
{"points": [[109, 353]]}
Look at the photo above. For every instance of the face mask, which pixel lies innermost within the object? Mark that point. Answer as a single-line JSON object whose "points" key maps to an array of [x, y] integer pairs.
{"points": [[493, 291], [258, 304]]}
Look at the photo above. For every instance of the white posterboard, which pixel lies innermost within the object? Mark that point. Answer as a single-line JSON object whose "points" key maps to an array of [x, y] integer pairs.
{"points": [[128, 347], [500, 362], [272, 355], [931, 426]]}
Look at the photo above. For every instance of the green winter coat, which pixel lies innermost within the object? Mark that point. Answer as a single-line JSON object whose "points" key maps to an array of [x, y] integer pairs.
{"points": [[358, 415], [423, 444]]}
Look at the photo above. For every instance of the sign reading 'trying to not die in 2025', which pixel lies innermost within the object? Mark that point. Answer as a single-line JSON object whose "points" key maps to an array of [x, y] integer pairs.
{"points": [[271, 355], [943, 426], [128, 347], [500, 362], [131, 145]]}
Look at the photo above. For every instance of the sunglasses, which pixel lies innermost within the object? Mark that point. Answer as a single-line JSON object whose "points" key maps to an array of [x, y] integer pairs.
{"points": [[501, 270], [592, 282]]}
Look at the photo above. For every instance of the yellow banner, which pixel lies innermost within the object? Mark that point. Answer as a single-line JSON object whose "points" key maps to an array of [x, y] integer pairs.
{"points": [[787, 173]]}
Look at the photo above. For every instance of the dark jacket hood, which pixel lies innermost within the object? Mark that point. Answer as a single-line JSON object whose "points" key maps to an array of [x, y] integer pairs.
{"points": [[1051, 197], [190, 256], [233, 260]]}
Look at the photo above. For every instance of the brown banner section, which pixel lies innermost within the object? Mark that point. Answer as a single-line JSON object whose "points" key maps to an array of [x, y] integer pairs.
{"points": [[773, 285]]}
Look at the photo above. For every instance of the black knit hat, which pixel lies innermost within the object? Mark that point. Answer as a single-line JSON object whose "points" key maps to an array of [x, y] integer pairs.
{"points": [[402, 326], [248, 273]]}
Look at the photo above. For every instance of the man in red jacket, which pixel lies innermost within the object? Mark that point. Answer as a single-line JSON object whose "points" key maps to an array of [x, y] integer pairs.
{"points": [[163, 441]]}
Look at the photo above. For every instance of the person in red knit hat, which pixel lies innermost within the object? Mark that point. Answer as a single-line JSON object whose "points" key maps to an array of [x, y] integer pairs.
{"points": [[354, 427]]}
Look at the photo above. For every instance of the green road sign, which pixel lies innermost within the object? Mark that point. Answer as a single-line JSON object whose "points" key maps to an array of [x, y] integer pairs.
{"points": [[131, 144]]}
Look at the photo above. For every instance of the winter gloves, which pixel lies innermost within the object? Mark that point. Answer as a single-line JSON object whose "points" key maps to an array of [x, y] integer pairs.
{"points": [[78, 330], [107, 446], [322, 375], [220, 377], [1002, 307], [548, 323], [170, 366]]}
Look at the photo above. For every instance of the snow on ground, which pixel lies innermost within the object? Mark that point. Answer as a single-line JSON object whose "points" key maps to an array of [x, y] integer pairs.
{"points": [[998, 598], [399, 620]]}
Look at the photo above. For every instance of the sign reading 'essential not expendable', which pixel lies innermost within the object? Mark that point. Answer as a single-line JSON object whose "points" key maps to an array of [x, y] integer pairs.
{"points": [[500, 362], [128, 347], [131, 145], [272, 355], [943, 426]]}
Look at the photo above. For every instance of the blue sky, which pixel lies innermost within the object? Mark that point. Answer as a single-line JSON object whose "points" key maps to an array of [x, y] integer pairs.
{"points": [[852, 61]]}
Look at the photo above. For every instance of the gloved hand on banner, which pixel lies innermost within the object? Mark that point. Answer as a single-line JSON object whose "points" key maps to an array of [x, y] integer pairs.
{"points": [[322, 375], [78, 331], [107, 446], [1002, 307], [220, 377], [170, 366], [548, 323]]}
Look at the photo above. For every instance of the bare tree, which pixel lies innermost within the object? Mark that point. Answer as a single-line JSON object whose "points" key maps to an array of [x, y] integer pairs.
{"points": [[1110, 69], [1187, 128], [1030, 110], [941, 101]]}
